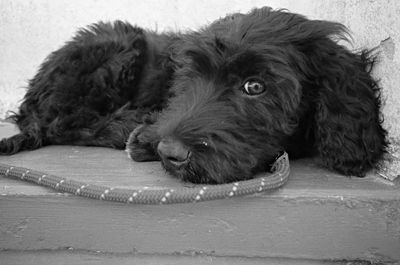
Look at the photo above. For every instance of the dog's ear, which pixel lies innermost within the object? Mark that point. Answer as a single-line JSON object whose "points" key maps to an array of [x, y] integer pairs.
{"points": [[346, 99]]}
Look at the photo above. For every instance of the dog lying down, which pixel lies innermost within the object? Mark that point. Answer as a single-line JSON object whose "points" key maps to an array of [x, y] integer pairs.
{"points": [[215, 105]]}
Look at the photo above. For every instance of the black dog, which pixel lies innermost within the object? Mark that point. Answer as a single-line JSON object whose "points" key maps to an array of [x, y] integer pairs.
{"points": [[216, 105]]}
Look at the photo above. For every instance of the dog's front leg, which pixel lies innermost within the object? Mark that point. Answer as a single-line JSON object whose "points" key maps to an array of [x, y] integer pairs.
{"points": [[142, 142]]}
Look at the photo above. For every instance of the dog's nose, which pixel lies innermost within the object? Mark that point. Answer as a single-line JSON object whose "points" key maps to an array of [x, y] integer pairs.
{"points": [[173, 151]]}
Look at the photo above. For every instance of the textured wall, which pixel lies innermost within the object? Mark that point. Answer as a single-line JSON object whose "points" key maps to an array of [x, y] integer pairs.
{"points": [[32, 29], [374, 23]]}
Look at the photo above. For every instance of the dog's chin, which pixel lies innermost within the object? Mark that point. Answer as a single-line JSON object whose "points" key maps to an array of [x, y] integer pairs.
{"points": [[186, 173]]}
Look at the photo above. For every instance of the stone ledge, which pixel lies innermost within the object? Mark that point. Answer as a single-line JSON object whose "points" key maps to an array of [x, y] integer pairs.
{"points": [[54, 257], [317, 215]]}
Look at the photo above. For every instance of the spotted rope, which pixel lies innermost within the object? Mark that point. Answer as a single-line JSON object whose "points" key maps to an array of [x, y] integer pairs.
{"points": [[147, 195]]}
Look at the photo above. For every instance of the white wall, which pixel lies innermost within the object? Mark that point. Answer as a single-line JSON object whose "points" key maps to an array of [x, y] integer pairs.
{"points": [[29, 30]]}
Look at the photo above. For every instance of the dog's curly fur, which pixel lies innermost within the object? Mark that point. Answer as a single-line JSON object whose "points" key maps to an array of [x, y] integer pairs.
{"points": [[229, 97]]}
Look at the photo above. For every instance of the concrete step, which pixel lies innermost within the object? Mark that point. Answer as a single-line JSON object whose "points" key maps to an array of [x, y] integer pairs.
{"points": [[318, 215], [77, 257]]}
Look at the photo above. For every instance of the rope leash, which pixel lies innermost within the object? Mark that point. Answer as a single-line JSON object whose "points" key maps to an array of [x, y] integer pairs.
{"points": [[145, 195]]}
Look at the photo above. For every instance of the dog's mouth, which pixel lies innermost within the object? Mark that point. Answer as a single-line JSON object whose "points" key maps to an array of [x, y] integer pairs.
{"points": [[205, 166], [173, 152], [180, 161], [175, 156], [174, 163], [186, 173], [181, 169]]}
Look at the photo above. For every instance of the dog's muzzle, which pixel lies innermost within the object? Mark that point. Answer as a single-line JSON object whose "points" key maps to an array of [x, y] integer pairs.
{"points": [[173, 152]]}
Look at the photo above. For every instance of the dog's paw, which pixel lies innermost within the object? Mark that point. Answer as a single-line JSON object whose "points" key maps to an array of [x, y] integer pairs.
{"points": [[142, 143]]}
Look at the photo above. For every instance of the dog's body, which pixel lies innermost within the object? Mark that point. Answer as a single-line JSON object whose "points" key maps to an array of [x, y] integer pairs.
{"points": [[215, 106]]}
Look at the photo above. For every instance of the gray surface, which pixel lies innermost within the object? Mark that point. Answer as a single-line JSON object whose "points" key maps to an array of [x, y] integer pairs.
{"points": [[100, 258], [317, 215]]}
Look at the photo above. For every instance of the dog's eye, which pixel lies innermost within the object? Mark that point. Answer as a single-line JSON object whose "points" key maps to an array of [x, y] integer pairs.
{"points": [[253, 87]]}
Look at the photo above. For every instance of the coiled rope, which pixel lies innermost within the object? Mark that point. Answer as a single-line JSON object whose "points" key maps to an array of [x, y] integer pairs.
{"points": [[145, 195]]}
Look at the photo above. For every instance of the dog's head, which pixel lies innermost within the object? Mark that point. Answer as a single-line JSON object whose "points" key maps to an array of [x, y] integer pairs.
{"points": [[239, 93]]}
